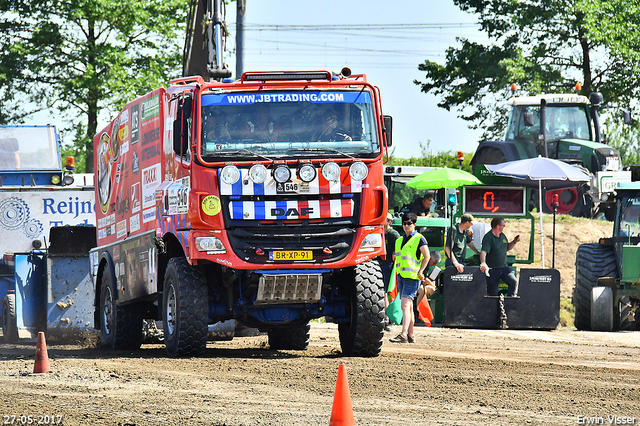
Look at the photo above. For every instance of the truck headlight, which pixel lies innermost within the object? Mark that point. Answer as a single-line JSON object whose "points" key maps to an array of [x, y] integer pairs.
{"points": [[230, 174], [331, 172], [282, 174], [211, 245], [307, 172], [371, 242], [358, 171], [258, 173]]}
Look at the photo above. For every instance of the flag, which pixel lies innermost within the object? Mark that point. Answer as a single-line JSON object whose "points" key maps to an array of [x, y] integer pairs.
{"points": [[424, 311]]}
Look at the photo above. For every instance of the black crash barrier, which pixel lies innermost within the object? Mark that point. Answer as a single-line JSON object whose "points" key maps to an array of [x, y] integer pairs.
{"points": [[466, 304]]}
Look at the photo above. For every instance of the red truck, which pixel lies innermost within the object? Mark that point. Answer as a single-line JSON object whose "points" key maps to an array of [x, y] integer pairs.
{"points": [[260, 200]]}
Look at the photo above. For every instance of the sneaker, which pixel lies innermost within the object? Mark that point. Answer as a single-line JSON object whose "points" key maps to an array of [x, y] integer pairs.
{"points": [[411, 339], [399, 339]]}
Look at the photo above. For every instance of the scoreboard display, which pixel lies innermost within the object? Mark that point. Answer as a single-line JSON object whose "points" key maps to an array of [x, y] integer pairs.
{"points": [[495, 200]]}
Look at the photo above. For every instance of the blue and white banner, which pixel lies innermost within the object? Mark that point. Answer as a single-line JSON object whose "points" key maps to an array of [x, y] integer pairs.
{"points": [[283, 97]]}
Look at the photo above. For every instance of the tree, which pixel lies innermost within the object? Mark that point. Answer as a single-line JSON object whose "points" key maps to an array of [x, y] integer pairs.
{"points": [[82, 58], [543, 46]]}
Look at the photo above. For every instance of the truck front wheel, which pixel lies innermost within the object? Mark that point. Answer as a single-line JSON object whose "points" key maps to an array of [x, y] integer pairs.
{"points": [[362, 335], [296, 338], [185, 309], [121, 326]]}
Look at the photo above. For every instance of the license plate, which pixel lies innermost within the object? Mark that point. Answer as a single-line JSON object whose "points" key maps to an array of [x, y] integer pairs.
{"points": [[287, 188], [291, 255]]}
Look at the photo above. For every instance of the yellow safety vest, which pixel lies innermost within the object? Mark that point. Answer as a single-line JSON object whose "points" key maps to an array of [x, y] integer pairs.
{"points": [[406, 263]]}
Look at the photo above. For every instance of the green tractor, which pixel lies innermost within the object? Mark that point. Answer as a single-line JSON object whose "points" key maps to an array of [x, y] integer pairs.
{"points": [[564, 127], [607, 290]]}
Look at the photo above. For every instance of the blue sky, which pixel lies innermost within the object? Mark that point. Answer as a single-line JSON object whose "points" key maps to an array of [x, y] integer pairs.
{"points": [[385, 40]]}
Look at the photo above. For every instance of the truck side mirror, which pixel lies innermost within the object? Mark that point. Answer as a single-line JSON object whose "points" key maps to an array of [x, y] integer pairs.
{"points": [[627, 117], [388, 126], [528, 119]]}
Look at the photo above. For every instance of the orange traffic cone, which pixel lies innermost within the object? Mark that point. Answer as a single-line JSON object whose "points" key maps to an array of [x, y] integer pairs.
{"points": [[342, 411], [42, 358]]}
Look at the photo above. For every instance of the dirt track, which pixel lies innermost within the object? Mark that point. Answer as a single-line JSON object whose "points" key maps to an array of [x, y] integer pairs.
{"points": [[462, 377]]}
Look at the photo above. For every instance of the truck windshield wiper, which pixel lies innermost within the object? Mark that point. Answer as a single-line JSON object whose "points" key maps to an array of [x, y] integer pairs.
{"points": [[320, 150], [243, 151]]}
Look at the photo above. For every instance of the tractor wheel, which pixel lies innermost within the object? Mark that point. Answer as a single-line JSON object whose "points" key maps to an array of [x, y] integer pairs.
{"points": [[601, 309], [362, 335], [185, 310], [296, 338], [121, 326], [593, 261], [9, 320]]}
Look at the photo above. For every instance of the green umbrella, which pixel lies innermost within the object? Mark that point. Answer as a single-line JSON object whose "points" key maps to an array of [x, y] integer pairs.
{"points": [[443, 178]]}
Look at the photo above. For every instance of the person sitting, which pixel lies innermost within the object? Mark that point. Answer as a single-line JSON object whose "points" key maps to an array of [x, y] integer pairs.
{"points": [[215, 128], [263, 127], [459, 237], [330, 130], [422, 206]]}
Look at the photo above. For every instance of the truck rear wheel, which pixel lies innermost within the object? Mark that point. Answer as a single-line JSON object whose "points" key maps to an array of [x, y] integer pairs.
{"points": [[185, 309], [362, 335], [121, 326], [593, 261], [9, 319], [601, 309], [296, 338]]}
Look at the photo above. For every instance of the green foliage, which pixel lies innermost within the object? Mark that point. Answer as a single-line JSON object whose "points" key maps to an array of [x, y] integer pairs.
{"points": [[85, 58], [428, 159], [544, 46], [624, 138]]}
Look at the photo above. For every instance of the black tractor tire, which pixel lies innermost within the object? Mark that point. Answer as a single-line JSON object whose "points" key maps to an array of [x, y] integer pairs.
{"points": [[120, 326], [593, 261], [295, 338], [9, 319], [185, 309], [625, 307], [362, 335]]}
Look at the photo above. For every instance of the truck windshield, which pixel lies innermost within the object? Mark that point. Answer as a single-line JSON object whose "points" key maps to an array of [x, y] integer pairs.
{"points": [[563, 122], [28, 148], [289, 124]]}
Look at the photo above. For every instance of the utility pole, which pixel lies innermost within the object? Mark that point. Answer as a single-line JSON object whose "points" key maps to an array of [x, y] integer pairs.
{"points": [[242, 6]]}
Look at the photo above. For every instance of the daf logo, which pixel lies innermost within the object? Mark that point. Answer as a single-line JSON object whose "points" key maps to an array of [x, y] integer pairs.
{"points": [[305, 211], [462, 277], [540, 279]]}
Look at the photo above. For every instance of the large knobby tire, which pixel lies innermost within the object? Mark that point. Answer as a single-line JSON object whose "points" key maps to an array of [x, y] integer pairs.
{"points": [[9, 319], [296, 338], [601, 309], [121, 326], [593, 261], [185, 309], [362, 335], [627, 321]]}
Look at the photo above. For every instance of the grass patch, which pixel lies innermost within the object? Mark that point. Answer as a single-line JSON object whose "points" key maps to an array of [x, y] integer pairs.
{"points": [[320, 320], [567, 312]]}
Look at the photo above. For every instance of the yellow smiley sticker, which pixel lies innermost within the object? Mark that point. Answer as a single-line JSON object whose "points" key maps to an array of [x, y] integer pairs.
{"points": [[211, 205]]}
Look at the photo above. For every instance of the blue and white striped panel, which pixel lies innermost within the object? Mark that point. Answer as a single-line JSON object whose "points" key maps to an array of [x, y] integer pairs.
{"points": [[272, 210]]}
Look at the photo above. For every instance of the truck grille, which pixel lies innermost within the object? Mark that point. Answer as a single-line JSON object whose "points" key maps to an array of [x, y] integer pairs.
{"points": [[328, 242]]}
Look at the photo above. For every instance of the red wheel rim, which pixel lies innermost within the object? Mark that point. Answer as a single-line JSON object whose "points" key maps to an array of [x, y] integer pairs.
{"points": [[567, 199]]}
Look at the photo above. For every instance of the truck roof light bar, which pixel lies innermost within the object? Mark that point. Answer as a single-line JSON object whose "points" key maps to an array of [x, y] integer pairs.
{"points": [[287, 76]]}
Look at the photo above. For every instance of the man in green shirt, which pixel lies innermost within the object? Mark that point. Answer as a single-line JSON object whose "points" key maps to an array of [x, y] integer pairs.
{"points": [[458, 238], [494, 259]]}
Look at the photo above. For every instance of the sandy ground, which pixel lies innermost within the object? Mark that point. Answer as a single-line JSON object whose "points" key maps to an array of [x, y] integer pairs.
{"points": [[449, 377]]}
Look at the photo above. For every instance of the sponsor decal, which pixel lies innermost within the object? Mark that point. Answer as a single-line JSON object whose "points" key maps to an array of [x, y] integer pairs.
{"points": [[134, 223], [150, 108], [121, 228], [136, 202], [135, 124], [178, 198], [148, 215], [540, 278], [150, 181], [211, 205], [135, 163], [462, 277]]}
